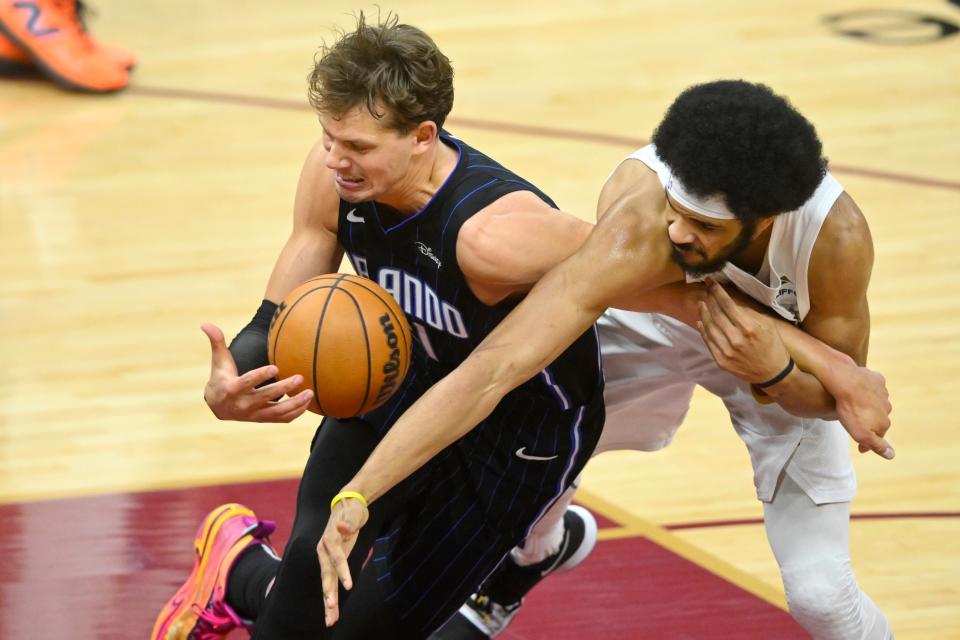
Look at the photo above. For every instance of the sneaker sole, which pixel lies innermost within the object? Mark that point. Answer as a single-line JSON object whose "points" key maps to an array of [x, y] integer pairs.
{"points": [[16, 68], [178, 618], [476, 626], [589, 540]]}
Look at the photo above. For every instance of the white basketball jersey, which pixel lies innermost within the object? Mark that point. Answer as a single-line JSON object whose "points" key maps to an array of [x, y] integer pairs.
{"points": [[781, 283]]}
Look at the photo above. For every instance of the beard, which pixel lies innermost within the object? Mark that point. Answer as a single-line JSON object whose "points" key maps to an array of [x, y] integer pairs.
{"points": [[707, 265]]}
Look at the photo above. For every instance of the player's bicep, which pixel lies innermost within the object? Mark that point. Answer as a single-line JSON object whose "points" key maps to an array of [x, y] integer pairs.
{"points": [[312, 248], [849, 333], [508, 246], [839, 274], [622, 256]]}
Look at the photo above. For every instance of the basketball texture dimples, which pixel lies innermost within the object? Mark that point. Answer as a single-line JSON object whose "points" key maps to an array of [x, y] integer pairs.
{"points": [[347, 337]]}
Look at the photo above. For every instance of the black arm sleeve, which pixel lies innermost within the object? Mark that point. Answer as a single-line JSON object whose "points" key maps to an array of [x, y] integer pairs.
{"points": [[249, 348]]}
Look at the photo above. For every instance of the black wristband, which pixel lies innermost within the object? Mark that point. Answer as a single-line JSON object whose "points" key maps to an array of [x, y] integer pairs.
{"points": [[777, 378], [249, 348], [264, 314]]}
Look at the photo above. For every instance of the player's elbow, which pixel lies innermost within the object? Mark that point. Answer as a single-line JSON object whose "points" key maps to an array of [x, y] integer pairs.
{"points": [[491, 374]]}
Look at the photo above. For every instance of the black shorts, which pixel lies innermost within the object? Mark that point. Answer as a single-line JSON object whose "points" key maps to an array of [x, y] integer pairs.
{"points": [[438, 534]]}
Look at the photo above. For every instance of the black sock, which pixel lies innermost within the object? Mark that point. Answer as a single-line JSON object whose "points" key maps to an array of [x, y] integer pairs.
{"points": [[248, 580]]}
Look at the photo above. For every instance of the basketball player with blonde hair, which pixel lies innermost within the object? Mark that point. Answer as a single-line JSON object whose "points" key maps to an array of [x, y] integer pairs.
{"points": [[434, 221]]}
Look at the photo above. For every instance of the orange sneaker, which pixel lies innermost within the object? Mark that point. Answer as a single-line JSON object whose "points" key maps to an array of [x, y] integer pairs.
{"points": [[13, 58], [122, 56], [59, 46], [198, 611]]}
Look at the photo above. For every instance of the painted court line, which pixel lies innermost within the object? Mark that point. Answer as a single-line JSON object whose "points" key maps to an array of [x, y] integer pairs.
{"points": [[507, 127], [903, 515], [634, 526]]}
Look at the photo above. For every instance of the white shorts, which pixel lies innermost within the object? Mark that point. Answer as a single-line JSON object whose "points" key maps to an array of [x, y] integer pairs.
{"points": [[652, 364]]}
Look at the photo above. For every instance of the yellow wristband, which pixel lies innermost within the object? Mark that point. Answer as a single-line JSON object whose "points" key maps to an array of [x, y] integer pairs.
{"points": [[760, 395], [348, 494]]}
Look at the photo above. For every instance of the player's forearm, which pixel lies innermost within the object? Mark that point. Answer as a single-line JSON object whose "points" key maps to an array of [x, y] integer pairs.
{"points": [[806, 392], [803, 395], [826, 364], [677, 300], [450, 409]]}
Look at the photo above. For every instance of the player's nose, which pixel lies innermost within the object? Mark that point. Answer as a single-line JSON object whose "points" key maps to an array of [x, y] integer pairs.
{"points": [[679, 232], [335, 160]]}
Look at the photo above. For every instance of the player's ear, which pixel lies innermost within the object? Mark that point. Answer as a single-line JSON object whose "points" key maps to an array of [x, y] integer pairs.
{"points": [[425, 133], [762, 226]]}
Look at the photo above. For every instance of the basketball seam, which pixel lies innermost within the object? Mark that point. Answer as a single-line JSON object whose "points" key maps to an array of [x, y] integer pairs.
{"points": [[366, 340], [406, 342], [359, 281], [316, 342], [276, 338]]}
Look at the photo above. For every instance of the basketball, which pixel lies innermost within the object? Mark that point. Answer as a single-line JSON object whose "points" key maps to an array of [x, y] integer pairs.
{"points": [[347, 337]]}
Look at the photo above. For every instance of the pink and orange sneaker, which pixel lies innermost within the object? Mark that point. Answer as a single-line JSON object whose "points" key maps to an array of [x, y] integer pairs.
{"points": [[198, 610]]}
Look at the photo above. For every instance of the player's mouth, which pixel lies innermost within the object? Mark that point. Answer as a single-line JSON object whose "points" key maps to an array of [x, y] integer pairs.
{"points": [[687, 252], [350, 183]]}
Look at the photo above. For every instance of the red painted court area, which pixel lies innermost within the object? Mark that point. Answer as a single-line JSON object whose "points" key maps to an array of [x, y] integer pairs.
{"points": [[100, 568]]}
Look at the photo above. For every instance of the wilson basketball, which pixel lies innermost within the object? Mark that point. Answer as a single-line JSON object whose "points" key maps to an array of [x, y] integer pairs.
{"points": [[347, 337]]}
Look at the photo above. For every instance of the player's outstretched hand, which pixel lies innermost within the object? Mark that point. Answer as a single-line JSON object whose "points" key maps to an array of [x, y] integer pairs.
{"points": [[234, 397], [334, 548], [863, 407]]}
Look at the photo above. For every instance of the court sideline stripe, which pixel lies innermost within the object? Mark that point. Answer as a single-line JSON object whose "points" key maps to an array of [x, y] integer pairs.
{"points": [[905, 515], [634, 527], [507, 127]]}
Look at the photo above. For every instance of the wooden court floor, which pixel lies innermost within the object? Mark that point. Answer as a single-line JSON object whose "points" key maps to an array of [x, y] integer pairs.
{"points": [[127, 220]]}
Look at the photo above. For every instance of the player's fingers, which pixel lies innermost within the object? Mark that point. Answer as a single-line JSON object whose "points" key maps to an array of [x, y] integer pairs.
{"points": [[338, 558], [879, 446], [220, 356], [882, 426], [286, 410], [725, 303], [249, 380], [712, 335], [329, 582], [720, 319], [280, 388]]}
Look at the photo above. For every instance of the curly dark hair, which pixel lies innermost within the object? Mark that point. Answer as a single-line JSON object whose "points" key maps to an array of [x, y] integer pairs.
{"points": [[387, 66], [743, 141]]}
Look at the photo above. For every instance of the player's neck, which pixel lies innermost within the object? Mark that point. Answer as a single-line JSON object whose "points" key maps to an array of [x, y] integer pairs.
{"points": [[750, 259], [423, 181]]}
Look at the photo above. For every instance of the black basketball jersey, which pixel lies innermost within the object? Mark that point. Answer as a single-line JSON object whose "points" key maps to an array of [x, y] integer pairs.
{"points": [[415, 259]]}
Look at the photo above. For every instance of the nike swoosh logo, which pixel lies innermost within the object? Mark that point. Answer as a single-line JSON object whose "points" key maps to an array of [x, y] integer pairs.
{"points": [[560, 554], [353, 217], [525, 456]]}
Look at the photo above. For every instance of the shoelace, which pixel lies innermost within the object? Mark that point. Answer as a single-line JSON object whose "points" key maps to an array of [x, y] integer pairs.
{"points": [[483, 604], [81, 10], [215, 621]]}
